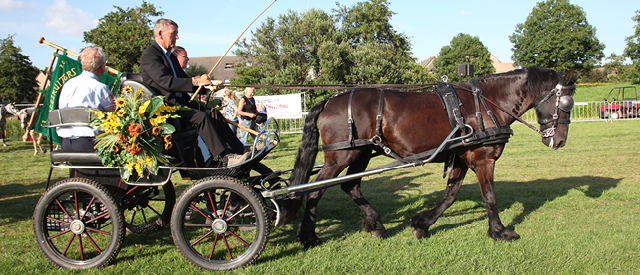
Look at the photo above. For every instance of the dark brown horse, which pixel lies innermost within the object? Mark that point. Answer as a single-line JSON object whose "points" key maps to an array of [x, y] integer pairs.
{"points": [[417, 122]]}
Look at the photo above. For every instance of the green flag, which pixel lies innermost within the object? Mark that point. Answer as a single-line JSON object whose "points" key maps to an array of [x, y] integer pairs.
{"points": [[66, 68]]}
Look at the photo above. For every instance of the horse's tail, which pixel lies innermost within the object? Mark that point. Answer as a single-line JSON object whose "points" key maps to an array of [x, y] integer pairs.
{"points": [[305, 161]]}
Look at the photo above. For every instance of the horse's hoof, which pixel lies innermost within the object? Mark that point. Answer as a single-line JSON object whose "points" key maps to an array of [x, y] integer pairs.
{"points": [[377, 233], [418, 233], [504, 235]]}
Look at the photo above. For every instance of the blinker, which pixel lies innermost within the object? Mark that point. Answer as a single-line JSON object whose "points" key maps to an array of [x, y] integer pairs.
{"points": [[565, 103]]}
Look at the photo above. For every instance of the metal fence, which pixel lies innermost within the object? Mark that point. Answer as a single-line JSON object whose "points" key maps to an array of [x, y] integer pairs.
{"points": [[582, 111]]}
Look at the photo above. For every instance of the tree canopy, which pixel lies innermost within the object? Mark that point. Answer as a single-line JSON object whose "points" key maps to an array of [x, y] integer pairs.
{"points": [[124, 34], [17, 73], [355, 45], [633, 47], [556, 35], [463, 49]]}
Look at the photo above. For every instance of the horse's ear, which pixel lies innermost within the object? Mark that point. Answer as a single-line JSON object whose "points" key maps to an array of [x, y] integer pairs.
{"points": [[570, 77]]}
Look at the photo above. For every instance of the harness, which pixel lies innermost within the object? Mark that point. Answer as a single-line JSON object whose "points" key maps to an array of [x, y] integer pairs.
{"points": [[451, 103]]}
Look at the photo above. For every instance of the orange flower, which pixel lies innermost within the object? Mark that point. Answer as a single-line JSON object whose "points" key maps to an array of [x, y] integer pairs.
{"points": [[156, 131], [134, 129]]}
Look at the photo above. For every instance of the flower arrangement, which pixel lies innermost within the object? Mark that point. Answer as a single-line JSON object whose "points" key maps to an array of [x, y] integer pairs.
{"points": [[135, 134]]}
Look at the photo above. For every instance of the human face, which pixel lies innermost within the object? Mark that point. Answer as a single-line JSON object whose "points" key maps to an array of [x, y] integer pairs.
{"points": [[249, 92], [183, 58], [167, 38]]}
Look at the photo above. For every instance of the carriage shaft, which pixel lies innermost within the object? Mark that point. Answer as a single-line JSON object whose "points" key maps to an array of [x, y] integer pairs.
{"points": [[334, 181]]}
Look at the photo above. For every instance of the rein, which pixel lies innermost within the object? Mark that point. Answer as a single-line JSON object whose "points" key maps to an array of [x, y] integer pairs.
{"points": [[562, 103]]}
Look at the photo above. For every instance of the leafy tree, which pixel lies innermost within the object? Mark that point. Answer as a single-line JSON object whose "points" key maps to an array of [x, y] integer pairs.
{"points": [[124, 34], [556, 35], [17, 73], [463, 49], [356, 45], [294, 49], [633, 48], [615, 68]]}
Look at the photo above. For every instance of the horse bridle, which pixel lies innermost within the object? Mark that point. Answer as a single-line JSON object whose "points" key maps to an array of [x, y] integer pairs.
{"points": [[563, 103]]}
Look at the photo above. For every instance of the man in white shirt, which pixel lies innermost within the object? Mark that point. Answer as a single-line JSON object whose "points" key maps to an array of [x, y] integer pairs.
{"points": [[85, 90]]}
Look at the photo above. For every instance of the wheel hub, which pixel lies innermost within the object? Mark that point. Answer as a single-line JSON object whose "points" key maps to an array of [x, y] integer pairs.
{"points": [[76, 227], [219, 226]]}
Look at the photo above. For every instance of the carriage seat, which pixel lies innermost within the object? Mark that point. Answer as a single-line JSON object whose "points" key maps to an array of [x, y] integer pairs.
{"points": [[78, 116]]}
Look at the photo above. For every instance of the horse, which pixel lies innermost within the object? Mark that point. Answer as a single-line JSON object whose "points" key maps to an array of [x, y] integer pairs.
{"points": [[412, 123], [7, 108], [25, 115]]}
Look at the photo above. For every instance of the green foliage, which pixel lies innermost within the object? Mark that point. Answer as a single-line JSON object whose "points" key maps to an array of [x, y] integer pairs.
{"points": [[357, 45], [633, 48], [463, 49], [17, 73], [196, 71], [124, 34], [556, 35], [616, 70]]}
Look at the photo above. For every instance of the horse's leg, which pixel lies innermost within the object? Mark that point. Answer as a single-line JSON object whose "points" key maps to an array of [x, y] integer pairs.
{"points": [[335, 162], [497, 230], [423, 220], [371, 221], [44, 151]]}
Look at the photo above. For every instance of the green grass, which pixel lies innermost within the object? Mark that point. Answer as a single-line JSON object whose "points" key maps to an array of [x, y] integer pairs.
{"points": [[577, 212], [588, 93]]}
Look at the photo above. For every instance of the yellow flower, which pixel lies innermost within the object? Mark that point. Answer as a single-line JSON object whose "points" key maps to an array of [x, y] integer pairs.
{"points": [[120, 102], [121, 113], [156, 131], [127, 89]]}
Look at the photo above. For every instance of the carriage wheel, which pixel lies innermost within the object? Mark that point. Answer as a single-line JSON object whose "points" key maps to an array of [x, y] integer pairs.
{"points": [[78, 224], [147, 209], [219, 223]]}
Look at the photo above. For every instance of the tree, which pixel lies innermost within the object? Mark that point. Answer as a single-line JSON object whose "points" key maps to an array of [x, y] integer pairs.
{"points": [[463, 49], [294, 49], [356, 45], [633, 48], [124, 34], [17, 73], [556, 35]]}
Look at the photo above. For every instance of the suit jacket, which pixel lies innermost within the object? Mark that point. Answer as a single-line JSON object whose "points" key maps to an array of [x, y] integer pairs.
{"points": [[157, 74]]}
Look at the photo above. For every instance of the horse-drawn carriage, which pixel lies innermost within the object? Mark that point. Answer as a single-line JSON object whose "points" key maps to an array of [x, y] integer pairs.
{"points": [[222, 221]]}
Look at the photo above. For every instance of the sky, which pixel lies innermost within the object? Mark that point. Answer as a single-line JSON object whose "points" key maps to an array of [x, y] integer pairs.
{"points": [[208, 28]]}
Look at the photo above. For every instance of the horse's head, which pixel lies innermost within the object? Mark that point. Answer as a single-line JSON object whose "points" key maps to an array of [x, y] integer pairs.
{"points": [[11, 108], [554, 110]]}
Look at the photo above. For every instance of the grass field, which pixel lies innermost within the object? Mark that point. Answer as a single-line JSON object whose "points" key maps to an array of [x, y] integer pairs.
{"points": [[577, 212]]}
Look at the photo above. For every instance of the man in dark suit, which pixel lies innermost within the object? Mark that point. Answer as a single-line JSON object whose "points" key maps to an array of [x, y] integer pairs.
{"points": [[161, 71]]}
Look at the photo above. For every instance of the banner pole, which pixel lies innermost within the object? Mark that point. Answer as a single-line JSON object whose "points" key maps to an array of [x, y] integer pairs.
{"points": [[41, 40], [43, 85]]}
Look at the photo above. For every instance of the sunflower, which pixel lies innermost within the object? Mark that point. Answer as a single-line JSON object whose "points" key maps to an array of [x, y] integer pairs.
{"points": [[156, 131], [120, 102], [121, 113], [127, 89]]}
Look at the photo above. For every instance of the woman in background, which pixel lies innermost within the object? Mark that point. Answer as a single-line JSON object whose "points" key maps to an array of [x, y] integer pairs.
{"points": [[230, 109]]}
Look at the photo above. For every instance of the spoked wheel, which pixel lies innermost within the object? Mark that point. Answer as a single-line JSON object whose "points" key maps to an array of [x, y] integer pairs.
{"points": [[147, 209], [78, 224], [219, 223]]}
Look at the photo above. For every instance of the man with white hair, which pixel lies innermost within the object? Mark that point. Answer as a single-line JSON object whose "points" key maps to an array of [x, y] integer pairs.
{"points": [[161, 71], [85, 90]]}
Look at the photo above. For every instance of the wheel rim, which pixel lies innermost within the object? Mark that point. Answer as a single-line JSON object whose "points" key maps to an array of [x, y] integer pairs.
{"points": [[221, 226], [78, 226]]}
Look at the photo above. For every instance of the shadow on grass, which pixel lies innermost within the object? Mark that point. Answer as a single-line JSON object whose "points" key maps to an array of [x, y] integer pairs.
{"points": [[345, 216]]}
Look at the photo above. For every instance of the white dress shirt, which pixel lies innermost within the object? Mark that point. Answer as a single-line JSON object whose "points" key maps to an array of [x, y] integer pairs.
{"points": [[84, 90]]}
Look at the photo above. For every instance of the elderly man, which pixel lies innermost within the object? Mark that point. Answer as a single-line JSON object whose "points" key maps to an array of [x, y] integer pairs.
{"points": [[85, 90], [161, 71]]}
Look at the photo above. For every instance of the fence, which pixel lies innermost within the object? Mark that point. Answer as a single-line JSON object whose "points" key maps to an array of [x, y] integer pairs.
{"points": [[582, 111]]}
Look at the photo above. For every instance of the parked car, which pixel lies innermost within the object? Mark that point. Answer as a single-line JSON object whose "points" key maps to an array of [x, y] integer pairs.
{"points": [[622, 102]]}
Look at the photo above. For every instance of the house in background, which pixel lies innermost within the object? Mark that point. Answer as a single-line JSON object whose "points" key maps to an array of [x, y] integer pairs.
{"points": [[499, 66], [225, 71]]}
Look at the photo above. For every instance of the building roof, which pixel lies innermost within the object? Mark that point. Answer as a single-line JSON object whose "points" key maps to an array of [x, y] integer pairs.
{"points": [[499, 66], [225, 69]]}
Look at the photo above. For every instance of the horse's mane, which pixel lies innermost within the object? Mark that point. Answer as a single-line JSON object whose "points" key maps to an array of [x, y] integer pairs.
{"points": [[540, 79]]}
